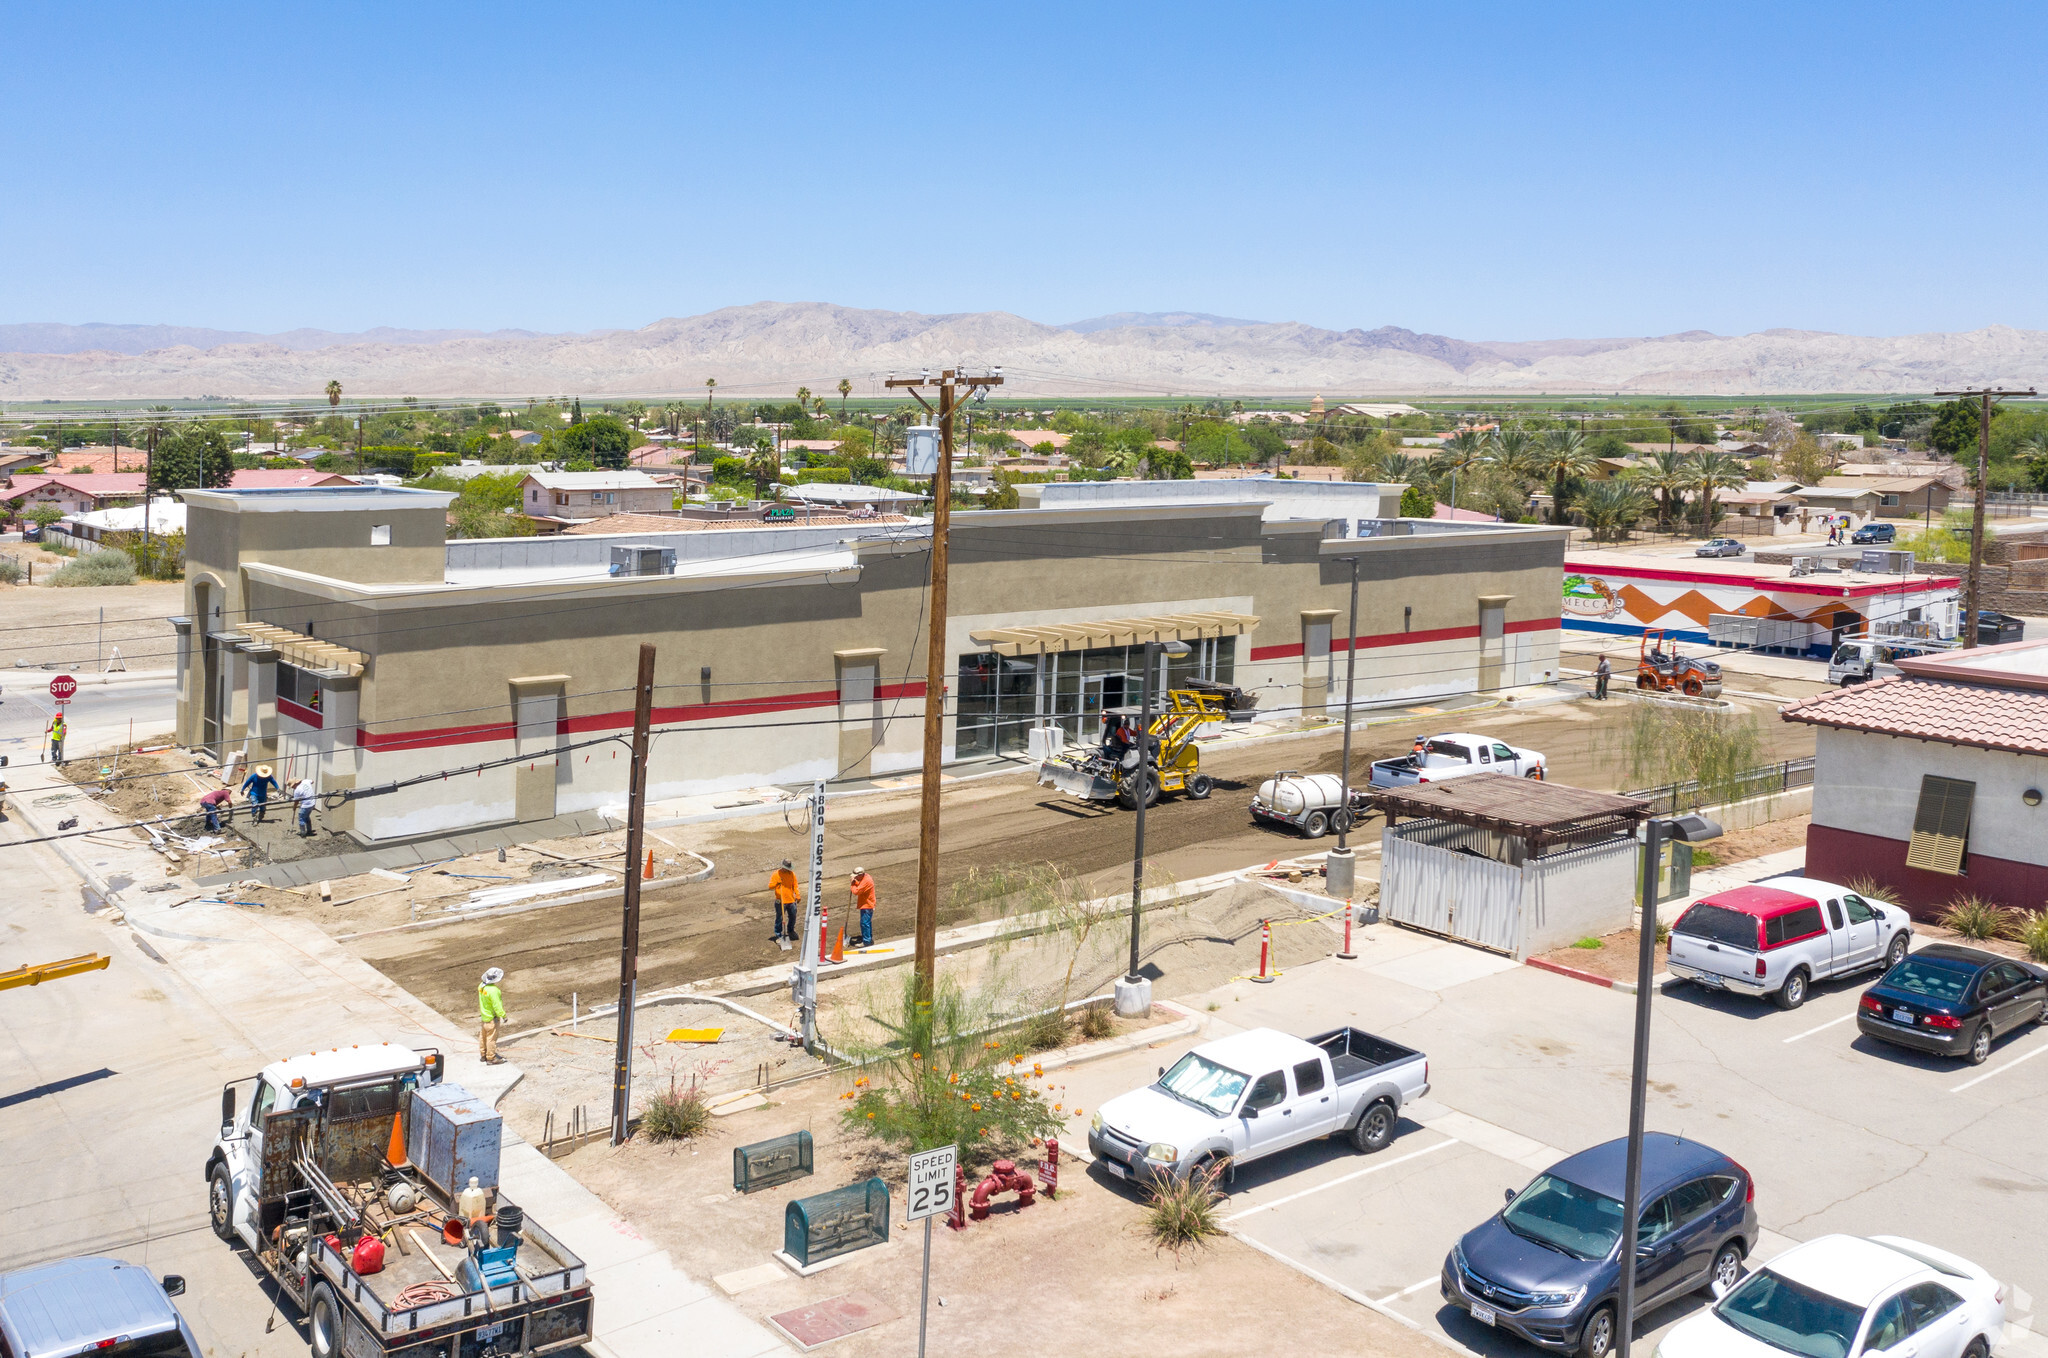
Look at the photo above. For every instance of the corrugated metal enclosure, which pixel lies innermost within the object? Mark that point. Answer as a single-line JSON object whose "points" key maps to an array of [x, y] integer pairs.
{"points": [[1477, 886]]}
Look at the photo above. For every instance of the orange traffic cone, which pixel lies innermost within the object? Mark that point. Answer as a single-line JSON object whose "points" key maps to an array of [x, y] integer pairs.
{"points": [[394, 1154], [649, 874], [839, 945]]}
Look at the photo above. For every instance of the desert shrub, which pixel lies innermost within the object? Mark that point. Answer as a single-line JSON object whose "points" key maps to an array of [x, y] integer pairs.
{"points": [[1589, 943], [1046, 1029], [1183, 1214], [10, 571], [2032, 934], [1870, 890], [676, 1113], [1096, 1022], [941, 1081], [99, 568], [1976, 918]]}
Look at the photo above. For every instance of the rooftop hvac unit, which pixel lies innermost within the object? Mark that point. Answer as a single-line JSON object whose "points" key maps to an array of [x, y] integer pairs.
{"points": [[1886, 563], [636, 559], [921, 450]]}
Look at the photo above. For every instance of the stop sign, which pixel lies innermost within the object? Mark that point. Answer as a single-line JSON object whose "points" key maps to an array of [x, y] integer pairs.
{"points": [[63, 687]]}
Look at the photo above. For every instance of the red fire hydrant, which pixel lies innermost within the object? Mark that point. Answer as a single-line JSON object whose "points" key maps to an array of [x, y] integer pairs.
{"points": [[1049, 1168], [1003, 1177]]}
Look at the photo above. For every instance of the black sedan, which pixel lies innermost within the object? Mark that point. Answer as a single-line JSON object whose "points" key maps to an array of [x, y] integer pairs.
{"points": [[1953, 1001]]}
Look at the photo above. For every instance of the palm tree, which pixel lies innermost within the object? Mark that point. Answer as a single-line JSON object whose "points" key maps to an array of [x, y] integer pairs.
{"points": [[1666, 476], [1511, 450], [1461, 451], [845, 390], [1562, 458], [2034, 452], [1611, 508], [333, 393], [1405, 469], [1708, 472], [803, 398], [710, 385]]}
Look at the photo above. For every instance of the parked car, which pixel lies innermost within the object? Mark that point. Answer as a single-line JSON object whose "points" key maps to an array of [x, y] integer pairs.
{"points": [[1719, 547], [1842, 1294], [1310, 802], [1249, 1095], [1875, 532], [1953, 1001], [1455, 755], [1547, 1267], [104, 1307], [1777, 938]]}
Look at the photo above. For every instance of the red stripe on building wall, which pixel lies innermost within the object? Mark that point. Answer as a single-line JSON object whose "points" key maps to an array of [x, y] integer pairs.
{"points": [[1836, 855], [616, 721], [1422, 638], [286, 707]]}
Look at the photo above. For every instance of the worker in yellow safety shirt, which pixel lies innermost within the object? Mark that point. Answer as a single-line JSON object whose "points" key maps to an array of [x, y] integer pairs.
{"points": [[490, 1004], [782, 882], [57, 731]]}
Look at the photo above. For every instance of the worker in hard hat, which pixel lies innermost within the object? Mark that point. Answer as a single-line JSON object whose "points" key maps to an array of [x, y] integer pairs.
{"points": [[863, 887], [57, 733], [490, 1005], [782, 882]]}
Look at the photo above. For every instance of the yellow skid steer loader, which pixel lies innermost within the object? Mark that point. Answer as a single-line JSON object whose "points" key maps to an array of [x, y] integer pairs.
{"points": [[1111, 770]]}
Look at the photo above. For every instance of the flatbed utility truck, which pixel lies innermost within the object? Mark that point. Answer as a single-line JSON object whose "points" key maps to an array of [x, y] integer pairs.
{"points": [[367, 1188]]}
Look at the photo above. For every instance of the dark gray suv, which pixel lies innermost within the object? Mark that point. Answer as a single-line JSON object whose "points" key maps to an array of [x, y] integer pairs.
{"points": [[1548, 1266]]}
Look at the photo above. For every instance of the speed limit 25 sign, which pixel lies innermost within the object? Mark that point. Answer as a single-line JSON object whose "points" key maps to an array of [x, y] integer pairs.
{"points": [[931, 1182]]}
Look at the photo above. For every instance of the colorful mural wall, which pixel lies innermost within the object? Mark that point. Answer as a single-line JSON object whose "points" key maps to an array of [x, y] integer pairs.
{"points": [[1604, 598]]}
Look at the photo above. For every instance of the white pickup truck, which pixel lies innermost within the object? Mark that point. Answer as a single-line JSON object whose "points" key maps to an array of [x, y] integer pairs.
{"points": [[1455, 755], [1252, 1094], [1778, 937]]}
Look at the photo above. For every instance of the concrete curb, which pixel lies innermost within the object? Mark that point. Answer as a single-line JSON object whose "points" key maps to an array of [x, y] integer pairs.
{"points": [[1558, 969]]}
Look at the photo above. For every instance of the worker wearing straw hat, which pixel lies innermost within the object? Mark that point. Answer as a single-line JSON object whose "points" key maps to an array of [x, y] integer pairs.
{"points": [[257, 787], [490, 1005]]}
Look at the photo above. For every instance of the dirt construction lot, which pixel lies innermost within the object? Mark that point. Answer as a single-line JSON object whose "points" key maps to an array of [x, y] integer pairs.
{"points": [[722, 926]]}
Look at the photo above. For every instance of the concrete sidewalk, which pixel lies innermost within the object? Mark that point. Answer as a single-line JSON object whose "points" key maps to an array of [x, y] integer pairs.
{"points": [[281, 985]]}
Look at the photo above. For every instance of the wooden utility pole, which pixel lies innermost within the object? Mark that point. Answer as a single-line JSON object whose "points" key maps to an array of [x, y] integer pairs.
{"points": [[1985, 396], [950, 383], [629, 940]]}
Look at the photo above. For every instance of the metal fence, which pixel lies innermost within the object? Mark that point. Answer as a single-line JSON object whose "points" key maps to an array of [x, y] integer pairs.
{"points": [[1674, 798]]}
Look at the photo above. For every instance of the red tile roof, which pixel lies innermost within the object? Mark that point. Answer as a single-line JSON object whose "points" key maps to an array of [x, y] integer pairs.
{"points": [[1988, 717]]}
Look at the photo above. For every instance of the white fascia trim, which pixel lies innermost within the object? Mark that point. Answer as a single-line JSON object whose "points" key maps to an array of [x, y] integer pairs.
{"points": [[836, 568], [1025, 518], [319, 499], [1411, 542]]}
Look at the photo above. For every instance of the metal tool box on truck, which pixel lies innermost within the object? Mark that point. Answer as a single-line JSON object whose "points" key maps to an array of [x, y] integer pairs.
{"points": [[452, 1136]]}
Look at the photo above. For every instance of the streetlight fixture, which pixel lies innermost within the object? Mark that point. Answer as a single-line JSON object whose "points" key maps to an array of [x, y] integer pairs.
{"points": [[1687, 829], [1134, 992]]}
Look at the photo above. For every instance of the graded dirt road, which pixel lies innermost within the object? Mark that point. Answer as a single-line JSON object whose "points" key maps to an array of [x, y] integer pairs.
{"points": [[722, 926]]}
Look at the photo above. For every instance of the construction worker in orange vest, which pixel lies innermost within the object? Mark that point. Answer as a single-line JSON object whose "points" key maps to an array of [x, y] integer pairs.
{"points": [[864, 901], [782, 882]]}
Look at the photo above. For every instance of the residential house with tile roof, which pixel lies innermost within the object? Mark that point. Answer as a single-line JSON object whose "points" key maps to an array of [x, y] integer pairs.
{"points": [[1934, 783]]}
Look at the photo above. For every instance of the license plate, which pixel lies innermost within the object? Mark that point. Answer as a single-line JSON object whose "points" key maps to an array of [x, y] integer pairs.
{"points": [[1114, 1168], [1904, 1016], [1483, 1314], [1710, 981]]}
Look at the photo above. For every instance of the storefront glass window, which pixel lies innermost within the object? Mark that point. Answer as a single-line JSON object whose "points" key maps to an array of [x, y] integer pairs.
{"points": [[1000, 698]]}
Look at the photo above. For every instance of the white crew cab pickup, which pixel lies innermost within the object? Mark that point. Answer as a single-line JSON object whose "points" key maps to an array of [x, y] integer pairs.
{"points": [[1778, 937], [1252, 1094], [1456, 754]]}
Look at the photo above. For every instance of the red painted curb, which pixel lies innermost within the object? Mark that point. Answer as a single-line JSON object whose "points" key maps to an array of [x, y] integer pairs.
{"points": [[1572, 972]]}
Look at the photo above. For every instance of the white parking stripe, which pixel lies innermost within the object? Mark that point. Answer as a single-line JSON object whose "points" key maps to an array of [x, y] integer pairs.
{"points": [[1341, 1290], [1393, 1297], [1999, 1070], [1344, 1179], [1823, 1028]]}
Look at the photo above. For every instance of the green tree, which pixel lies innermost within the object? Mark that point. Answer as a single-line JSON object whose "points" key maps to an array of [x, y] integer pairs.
{"points": [[845, 390], [1667, 477], [1168, 464], [867, 471], [1562, 459], [1417, 503], [1612, 508], [333, 393], [1461, 453], [1805, 461], [1955, 428], [1707, 473], [602, 440], [575, 410], [196, 455]]}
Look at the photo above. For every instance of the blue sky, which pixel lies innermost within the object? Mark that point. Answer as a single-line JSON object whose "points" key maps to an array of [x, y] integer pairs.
{"points": [[1489, 171]]}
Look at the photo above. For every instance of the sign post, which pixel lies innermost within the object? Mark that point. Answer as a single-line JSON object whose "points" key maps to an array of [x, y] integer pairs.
{"points": [[804, 979], [63, 688], [931, 1190]]}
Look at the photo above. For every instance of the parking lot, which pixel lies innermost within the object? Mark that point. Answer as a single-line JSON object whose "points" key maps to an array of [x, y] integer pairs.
{"points": [[1842, 1134]]}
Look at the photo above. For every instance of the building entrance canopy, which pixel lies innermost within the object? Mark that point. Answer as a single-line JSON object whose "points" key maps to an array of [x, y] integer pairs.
{"points": [[1104, 632], [306, 652]]}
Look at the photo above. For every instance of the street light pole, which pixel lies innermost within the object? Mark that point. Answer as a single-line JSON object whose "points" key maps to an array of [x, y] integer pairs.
{"points": [[1134, 992], [1686, 830], [1340, 868]]}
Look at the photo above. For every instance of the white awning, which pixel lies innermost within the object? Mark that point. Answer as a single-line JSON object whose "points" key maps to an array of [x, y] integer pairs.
{"points": [[1084, 636]]}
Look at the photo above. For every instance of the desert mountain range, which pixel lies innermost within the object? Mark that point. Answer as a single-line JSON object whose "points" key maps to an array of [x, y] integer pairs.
{"points": [[774, 347]]}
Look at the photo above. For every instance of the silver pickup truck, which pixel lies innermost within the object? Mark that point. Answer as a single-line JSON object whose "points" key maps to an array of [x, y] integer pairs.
{"points": [[1252, 1094]]}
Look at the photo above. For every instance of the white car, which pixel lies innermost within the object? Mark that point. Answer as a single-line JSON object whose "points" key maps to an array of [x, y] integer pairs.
{"points": [[1844, 1294]]}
